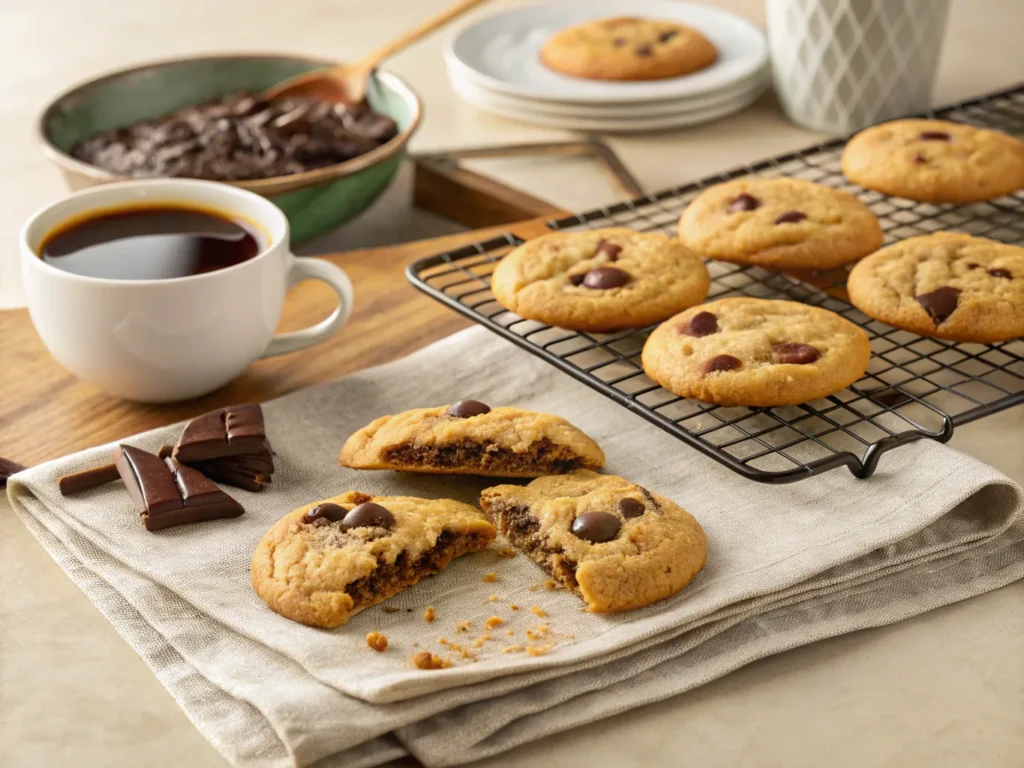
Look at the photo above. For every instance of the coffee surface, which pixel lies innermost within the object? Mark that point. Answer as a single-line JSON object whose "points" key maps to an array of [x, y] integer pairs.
{"points": [[152, 243]]}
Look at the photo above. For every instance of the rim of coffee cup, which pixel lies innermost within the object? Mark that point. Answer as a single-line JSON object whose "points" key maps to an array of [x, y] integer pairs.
{"points": [[272, 224]]}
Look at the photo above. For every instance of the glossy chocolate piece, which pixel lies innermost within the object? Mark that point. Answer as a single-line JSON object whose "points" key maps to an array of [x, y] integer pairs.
{"points": [[230, 446], [328, 511], [368, 515], [940, 303], [744, 202], [720, 363], [630, 508], [604, 278], [701, 324], [465, 409], [577, 279], [87, 478], [1000, 272], [596, 527], [794, 353]]}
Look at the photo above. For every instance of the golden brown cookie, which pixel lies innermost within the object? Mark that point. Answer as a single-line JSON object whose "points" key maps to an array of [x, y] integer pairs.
{"points": [[470, 438], [627, 48], [602, 280], [609, 541], [756, 352], [326, 561], [779, 224], [946, 285], [935, 161]]}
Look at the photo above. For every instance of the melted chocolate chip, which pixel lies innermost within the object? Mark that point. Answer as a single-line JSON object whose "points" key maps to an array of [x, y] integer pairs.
{"points": [[1000, 272], [935, 136], [327, 511], [972, 265], [464, 409], [603, 278], [368, 515], [611, 250], [744, 202], [664, 37], [643, 51], [791, 217], [578, 278], [596, 527], [630, 508], [940, 303], [720, 363], [701, 324], [793, 353]]}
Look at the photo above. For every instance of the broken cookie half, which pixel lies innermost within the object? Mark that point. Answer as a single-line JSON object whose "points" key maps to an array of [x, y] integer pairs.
{"points": [[609, 541], [470, 438], [324, 562]]}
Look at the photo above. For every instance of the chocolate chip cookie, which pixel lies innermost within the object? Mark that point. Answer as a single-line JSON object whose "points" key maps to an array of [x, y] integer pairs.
{"points": [[326, 561], [946, 285], [627, 48], [756, 352], [779, 224], [470, 438], [603, 280], [935, 161], [609, 541]]}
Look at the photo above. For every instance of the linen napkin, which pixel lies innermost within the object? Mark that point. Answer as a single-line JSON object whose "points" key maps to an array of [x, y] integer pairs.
{"points": [[787, 565]]}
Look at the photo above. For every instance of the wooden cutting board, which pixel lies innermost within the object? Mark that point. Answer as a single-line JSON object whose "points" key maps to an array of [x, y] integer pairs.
{"points": [[45, 412]]}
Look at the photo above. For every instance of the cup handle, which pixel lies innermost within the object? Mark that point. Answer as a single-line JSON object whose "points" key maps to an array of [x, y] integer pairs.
{"points": [[309, 268]]}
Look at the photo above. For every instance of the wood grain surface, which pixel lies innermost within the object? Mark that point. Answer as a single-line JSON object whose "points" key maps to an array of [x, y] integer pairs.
{"points": [[45, 412]]}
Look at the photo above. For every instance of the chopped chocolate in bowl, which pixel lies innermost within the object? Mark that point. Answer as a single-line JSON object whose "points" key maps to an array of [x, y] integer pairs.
{"points": [[239, 137]]}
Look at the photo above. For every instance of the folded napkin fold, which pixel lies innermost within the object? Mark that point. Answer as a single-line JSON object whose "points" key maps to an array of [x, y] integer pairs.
{"points": [[787, 565]]}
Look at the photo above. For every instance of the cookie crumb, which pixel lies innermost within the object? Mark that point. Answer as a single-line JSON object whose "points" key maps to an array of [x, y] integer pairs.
{"points": [[442, 640], [538, 650], [377, 641], [491, 599], [494, 621], [533, 588], [512, 649], [491, 577], [513, 607], [539, 632], [391, 609], [427, 660], [537, 611], [430, 614], [510, 632], [478, 643], [507, 552], [463, 626], [549, 584]]}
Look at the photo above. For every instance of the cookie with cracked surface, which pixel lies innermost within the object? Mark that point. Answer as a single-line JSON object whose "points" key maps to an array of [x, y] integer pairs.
{"points": [[756, 352], [611, 542], [779, 224], [603, 280], [470, 438], [628, 48], [947, 285], [323, 563], [935, 161]]}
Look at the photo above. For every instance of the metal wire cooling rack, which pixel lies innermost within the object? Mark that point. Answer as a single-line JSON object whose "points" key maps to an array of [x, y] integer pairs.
{"points": [[914, 388]]}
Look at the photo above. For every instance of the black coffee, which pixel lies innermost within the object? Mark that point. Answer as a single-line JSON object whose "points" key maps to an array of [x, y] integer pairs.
{"points": [[150, 243]]}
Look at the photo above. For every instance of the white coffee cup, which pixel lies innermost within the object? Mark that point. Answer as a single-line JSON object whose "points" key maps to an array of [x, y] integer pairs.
{"points": [[172, 339]]}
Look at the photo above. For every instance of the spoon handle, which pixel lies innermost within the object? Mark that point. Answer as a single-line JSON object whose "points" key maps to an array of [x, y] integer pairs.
{"points": [[394, 46]]}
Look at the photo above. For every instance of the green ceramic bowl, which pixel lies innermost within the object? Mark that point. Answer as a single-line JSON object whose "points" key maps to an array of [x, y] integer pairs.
{"points": [[315, 202]]}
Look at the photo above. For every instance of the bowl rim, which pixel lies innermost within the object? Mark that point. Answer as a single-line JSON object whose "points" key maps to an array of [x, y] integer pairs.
{"points": [[272, 185]]}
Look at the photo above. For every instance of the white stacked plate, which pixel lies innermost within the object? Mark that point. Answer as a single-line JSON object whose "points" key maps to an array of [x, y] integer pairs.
{"points": [[495, 65]]}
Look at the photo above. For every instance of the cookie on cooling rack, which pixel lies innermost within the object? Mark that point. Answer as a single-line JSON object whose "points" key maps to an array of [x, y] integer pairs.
{"points": [[602, 280], [935, 161], [756, 352], [779, 224], [947, 285]]}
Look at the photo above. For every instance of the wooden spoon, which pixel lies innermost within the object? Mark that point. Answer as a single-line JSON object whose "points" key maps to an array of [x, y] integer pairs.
{"points": [[346, 83]]}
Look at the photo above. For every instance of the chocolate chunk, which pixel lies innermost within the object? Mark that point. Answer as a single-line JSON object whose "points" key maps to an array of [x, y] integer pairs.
{"points": [[720, 363], [1000, 272], [791, 217], [972, 265], [596, 527], [368, 515], [935, 136], [603, 278], [328, 511], [611, 250], [8, 468], [150, 483], [664, 37], [701, 324], [794, 353], [465, 409], [630, 508], [229, 431], [940, 303], [87, 478], [577, 279], [744, 202], [643, 51]]}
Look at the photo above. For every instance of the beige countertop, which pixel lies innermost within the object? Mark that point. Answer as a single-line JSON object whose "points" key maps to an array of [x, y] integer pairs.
{"points": [[942, 689]]}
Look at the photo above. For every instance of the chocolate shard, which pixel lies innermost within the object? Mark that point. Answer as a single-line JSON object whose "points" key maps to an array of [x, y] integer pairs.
{"points": [[8, 468], [150, 484], [229, 445], [87, 478]]}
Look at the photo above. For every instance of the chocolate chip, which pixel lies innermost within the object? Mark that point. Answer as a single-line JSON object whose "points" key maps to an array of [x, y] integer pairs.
{"points": [[720, 363], [701, 324], [464, 409], [664, 37], [935, 136], [618, 42], [368, 515], [794, 353], [603, 278], [643, 51], [791, 217], [578, 278], [611, 250], [328, 511], [1000, 272], [919, 159], [940, 303], [596, 527], [744, 202], [630, 508], [972, 265]]}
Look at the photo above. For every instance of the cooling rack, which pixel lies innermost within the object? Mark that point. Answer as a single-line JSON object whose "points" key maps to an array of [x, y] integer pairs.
{"points": [[914, 388]]}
